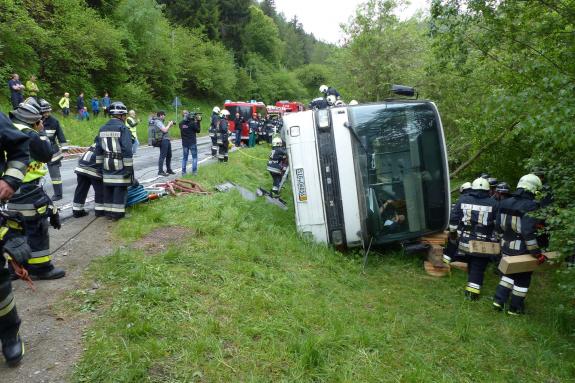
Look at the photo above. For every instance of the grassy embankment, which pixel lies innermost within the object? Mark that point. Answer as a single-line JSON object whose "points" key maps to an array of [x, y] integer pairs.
{"points": [[82, 133], [243, 298]]}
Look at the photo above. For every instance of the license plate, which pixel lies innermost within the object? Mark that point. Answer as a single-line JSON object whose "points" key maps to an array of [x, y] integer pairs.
{"points": [[300, 181]]}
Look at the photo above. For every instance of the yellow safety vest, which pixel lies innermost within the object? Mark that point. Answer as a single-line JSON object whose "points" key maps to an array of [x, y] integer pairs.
{"points": [[35, 169], [132, 129]]}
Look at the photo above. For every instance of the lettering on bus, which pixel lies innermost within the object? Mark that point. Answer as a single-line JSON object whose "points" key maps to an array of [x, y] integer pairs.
{"points": [[300, 181]]}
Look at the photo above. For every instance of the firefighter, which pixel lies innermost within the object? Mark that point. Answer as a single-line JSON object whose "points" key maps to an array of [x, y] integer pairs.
{"points": [[14, 158], [450, 252], [114, 153], [222, 138], [30, 200], [518, 228], [501, 191], [213, 130], [88, 173], [277, 164], [476, 213], [57, 139], [465, 188], [261, 129], [329, 91], [253, 126], [493, 182]]}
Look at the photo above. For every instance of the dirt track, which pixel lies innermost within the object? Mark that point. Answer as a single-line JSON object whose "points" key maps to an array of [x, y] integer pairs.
{"points": [[53, 338]]}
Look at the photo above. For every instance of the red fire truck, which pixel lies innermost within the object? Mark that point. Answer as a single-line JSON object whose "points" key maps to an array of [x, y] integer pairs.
{"points": [[291, 106], [246, 109]]}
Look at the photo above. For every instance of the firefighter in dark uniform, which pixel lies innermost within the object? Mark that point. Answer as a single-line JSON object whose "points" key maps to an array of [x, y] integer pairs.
{"points": [[261, 130], [223, 144], [88, 174], [502, 191], [57, 139], [114, 153], [450, 252], [253, 125], [213, 130], [14, 159], [30, 200], [518, 228], [277, 164], [476, 212]]}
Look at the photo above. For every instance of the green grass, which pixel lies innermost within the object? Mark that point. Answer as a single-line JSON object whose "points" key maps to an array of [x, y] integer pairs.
{"points": [[245, 299], [82, 133]]}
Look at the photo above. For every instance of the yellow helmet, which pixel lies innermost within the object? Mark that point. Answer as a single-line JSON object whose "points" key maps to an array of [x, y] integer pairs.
{"points": [[530, 182]]}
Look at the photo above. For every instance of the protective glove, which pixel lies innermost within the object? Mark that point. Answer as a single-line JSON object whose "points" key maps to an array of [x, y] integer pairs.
{"points": [[541, 258], [18, 249], [55, 221]]}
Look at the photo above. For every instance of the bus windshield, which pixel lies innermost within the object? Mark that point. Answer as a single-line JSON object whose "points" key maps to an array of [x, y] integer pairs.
{"points": [[401, 158]]}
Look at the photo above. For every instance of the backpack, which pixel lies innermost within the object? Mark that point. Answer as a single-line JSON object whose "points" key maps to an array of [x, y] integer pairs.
{"points": [[155, 135]]}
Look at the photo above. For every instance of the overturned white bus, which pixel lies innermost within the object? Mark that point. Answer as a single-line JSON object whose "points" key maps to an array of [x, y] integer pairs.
{"points": [[375, 171]]}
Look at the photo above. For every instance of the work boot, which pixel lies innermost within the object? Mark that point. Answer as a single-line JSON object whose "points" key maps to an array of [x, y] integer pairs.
{"points": [[54, 273], [471, 296], [170, 171], [56, 198], [13, 350], [497, 306], [162, 173], [79, 213]]}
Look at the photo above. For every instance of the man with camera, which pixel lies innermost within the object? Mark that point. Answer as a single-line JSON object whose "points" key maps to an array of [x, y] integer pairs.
{"points": [[189, 128], [165, 144]]}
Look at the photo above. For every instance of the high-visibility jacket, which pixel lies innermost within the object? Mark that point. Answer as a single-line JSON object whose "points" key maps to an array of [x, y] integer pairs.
{"points": [[132, 123], [32, 88], [87, 165], [40, 153], [517, 224], [64, 102], [474, 215], [114, 152]]}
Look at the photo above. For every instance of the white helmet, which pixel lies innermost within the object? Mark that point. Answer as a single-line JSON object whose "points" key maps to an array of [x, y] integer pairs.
{"points": [[530, 182], [277, 141], [331, 99], [465, 186], [224, 113], [353, 102], [323, 88], [216, 110], [480, 184]]}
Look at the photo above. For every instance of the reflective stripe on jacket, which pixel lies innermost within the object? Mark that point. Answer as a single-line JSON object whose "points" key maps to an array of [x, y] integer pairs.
{"points": [[114, 153]]}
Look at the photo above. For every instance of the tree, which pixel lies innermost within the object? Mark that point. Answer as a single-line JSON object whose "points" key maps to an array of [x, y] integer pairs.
{"points": [[260, 36]]}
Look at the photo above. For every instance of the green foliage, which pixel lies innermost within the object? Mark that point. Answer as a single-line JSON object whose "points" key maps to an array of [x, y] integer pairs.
{"points": [[270, 83], [261, 36], [380, 51]]}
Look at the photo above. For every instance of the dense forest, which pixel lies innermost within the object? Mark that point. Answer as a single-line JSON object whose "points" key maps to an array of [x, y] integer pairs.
{"points": [[147, 51], [501, 72]]}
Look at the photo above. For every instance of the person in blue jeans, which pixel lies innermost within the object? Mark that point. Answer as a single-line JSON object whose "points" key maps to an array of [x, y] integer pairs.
{"points": [[189, 128]]}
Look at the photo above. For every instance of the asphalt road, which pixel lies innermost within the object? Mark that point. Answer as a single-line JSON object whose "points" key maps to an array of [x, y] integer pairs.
{"points": [[145, 165]]}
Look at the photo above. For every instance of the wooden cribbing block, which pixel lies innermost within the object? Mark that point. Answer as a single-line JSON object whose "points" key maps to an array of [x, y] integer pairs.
{"points": [[522, 263]]}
